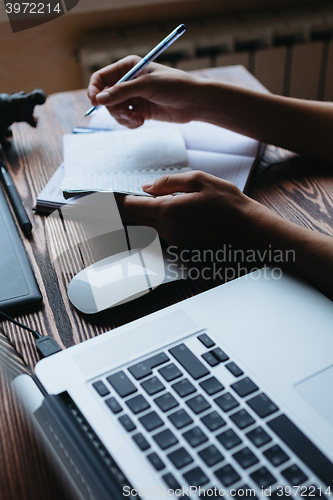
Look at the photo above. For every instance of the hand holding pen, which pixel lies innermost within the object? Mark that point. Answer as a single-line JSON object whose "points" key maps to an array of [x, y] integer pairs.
{"points": [[151, 56], [159, 93]]}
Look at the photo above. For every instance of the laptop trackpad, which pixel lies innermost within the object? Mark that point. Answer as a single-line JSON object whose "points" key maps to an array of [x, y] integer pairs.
{"points": [[315, 391]]}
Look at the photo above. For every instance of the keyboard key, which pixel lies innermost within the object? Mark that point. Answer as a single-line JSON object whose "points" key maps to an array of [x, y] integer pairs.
{"points": [[227, 475], [229, 439], [242, 419], [211, 455], [152, 386], [165, 439], [170, 372], [180, 419], [210, 359], [166, 402], [211, 386], [113, 405], [213, 421], [198, 404], [196, 477], [303, 447], [220, 355], [184, 388], [259, 437], [122, 384], [294, 475], [156, 462], [244, 387], [127, 423], [141, 441], [245, 458], [189, 361], [195, 437], [144, 368], [137, 404], [171, 482], [206, 341], [276, 455], [226, 402], [101, 388], [262, 405], [180, 458], [263, 477], [151, 421], [234, 369]]}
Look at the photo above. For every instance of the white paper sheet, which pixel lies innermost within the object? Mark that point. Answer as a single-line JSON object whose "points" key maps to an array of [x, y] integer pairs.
{"points": [[210, 149], [121, 160], [197, 135], [233, 168]]}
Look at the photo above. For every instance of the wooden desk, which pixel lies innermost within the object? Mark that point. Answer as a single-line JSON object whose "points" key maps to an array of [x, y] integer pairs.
{"points": [[299, 190]]}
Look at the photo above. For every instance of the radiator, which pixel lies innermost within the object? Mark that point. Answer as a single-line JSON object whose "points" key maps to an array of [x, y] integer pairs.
{"points": [[289, 50]]}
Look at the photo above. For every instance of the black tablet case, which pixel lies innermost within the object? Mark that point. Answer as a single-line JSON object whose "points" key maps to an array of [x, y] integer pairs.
{"points": [[18, 286]]}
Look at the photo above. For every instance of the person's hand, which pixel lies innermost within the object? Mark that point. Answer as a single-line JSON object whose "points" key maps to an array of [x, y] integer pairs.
{"points": [[207, 213], [158, 92]]}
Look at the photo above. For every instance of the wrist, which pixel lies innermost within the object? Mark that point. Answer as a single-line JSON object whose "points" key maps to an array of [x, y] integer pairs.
{"points": [[218, 102], [263, 225], [205, 109]]}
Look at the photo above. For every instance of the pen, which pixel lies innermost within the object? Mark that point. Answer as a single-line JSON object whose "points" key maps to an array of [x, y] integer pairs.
{"points": [[15, 200], [155, 52]]}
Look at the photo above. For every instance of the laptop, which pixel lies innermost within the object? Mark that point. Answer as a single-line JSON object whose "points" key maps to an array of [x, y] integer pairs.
{"points": [[226, 394]]}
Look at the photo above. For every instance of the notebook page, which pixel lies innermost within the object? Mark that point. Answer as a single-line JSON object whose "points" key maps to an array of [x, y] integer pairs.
{"points": [[90, 159], [197, 135], [233, 168], [52, 192], [207, 137], [122, 182]]}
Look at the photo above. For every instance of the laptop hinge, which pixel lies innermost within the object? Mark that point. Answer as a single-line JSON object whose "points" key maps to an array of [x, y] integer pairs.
{"points": [[90, 465]]}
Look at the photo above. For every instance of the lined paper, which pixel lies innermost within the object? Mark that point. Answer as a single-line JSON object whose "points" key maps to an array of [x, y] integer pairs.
{"points": [[121, 161]]}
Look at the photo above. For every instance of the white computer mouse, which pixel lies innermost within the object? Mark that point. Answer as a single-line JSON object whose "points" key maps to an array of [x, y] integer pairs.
{"points": [[128, 263], [117, 279]]}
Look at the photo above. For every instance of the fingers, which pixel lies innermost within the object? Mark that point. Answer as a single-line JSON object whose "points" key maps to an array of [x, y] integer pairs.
{"points": [[131, 120], [188, 182], [132, 113], [141, 87], [109, 75], [141, 207], [95, 86]]}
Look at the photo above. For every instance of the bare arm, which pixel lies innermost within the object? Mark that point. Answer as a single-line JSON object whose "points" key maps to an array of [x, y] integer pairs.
{"points": [[308, 252], [213, 212], [305, 127], [162, 93]]}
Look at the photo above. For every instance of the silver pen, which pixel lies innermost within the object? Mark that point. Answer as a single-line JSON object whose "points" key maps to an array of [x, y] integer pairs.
{"points": [[155, 52]]}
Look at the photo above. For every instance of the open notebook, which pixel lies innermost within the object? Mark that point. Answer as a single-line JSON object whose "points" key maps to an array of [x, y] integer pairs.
{"points": [[121, 160]]}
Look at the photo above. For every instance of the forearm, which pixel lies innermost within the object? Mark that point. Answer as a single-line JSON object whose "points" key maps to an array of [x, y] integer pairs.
{"points": [[307, 252], [305, 127]]}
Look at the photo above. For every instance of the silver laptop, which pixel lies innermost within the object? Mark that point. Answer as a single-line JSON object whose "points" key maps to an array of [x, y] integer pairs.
{"points": [[226, 394]]}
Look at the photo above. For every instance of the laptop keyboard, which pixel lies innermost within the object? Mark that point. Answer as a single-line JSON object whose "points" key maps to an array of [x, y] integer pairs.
{"points": [[200, 421]]}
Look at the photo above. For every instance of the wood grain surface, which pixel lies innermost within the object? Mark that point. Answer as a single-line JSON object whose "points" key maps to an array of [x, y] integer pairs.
{"points": [[298, 189]]}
